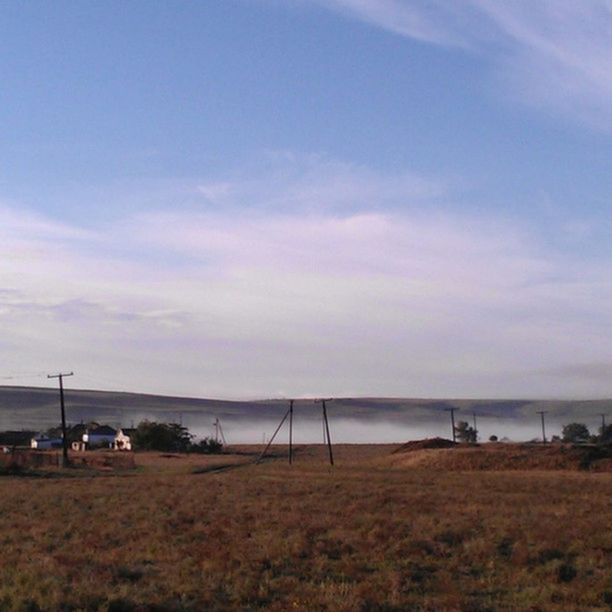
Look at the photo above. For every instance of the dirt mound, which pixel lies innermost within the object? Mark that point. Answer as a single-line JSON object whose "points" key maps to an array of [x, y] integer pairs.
{"points": [[496, 457], [416, 445]]}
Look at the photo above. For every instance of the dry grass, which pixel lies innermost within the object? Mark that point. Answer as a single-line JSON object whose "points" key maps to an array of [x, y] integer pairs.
{"points": [[50, 460], [272, 536], [434, 455]]}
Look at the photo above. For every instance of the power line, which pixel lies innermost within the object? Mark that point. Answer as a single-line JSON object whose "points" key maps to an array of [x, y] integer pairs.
{"points": [[19, 375]]}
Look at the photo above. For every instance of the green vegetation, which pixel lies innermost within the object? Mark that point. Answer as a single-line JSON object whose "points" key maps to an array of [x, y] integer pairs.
{"points": [[206, 446], [576, 433], [465, 433], [166, 437], [171, 438]]}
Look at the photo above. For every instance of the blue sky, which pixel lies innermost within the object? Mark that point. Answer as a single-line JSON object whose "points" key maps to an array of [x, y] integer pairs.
{"points": [[247, 198]]}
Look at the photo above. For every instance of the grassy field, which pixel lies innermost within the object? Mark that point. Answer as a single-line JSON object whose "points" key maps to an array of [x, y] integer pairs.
{"points": [[365, 535]]}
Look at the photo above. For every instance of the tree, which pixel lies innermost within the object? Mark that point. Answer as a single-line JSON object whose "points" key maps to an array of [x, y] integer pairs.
{"points": [[165, 437], [206, 446], [493, 438], [465, 433], [575, 432]]}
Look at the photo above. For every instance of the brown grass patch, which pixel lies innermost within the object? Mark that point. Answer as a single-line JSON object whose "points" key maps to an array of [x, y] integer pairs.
{"points": [[356, 537], [433, 455]]}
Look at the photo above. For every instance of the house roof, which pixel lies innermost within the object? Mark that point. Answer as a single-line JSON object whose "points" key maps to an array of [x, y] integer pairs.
{"points": [[16, 438], [103, 430]]}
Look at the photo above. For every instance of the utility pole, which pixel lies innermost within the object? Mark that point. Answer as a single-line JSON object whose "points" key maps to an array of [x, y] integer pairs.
{"points": [[324, 436], [326, 428], [452, 413], [220, 431], [475, 428], [265, 450], [219, 435], [60, 376], [542, 413], [289, 415], [603, 421], [290, 432]]}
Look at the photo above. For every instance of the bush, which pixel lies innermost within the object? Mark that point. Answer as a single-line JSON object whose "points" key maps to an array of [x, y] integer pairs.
{"points": [[165, 437], [465, 433], [575, 432], [207, 446], [171, 438]]}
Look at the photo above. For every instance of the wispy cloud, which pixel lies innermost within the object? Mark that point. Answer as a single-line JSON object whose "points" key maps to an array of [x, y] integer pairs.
{"points": [[400, 300], [556, 54], [420, 20]]}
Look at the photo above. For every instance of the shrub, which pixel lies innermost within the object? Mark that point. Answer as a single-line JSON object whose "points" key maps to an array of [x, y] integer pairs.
{"points": [[465, 433], [575, 432], [165, 437], [206, 446]]}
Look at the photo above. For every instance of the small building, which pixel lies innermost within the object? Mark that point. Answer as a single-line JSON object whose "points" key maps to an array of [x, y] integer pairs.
{"points": [[43, 442], [16, 438], [123, 439], [102, 436]]}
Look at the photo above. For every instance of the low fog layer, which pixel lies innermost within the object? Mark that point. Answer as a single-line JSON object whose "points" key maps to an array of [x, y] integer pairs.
{"points": [[357, 420], [352, 431]]}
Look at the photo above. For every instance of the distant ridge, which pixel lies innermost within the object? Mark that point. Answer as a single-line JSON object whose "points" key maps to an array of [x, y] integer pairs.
{"points": [[37, 407]]}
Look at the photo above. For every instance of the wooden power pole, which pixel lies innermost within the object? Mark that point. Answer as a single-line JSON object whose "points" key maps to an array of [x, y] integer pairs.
{"points": [[289, 415], [452, 413], [326, 428], [542, 413], [290, 432], [219, 435], [65, 461], [603, 422]]}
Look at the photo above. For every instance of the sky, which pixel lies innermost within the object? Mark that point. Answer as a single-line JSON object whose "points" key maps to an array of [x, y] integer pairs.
{"points": [[292, 198]]}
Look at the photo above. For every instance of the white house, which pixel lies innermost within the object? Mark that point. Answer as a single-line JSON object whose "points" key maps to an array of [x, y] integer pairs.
{"points": [[102, 436], [123, 439], [43, 442]]}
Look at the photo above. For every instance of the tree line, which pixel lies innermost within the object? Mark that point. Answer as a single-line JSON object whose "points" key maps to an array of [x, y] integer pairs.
{"points": [[576, 433]]}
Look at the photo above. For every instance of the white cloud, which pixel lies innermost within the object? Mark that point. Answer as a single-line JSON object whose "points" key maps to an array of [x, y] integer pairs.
{"points": [[346, 301], [556, 54]]}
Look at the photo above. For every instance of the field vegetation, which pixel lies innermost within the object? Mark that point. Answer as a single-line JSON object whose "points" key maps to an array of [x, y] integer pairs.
{"points": [[218, 532]]}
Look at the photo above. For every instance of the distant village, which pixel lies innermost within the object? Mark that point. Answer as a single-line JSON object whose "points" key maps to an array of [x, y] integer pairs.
{"points": [[82, 437]]}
